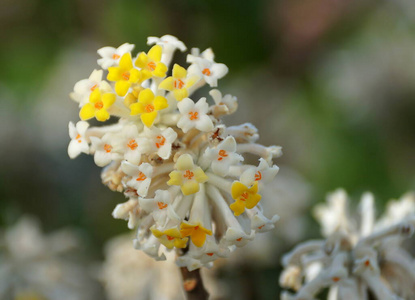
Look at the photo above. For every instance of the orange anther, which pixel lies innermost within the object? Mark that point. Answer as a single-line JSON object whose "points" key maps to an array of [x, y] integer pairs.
{"points": [[94, 87], [161, 205], [160, 141], [240, 239], [335, 279], [151, 66], [194, 115], [222, 154], [178, 84], [149, 108], [258, 176], [260, 227], [126, 75], [367, 263], [107, 148], [210, 254], [99, 105], [78, 137], [115, 56], [244, 196], [169, 237], [206, 72], [188, 174], [141, 177], [196, 227], [132, 144]]}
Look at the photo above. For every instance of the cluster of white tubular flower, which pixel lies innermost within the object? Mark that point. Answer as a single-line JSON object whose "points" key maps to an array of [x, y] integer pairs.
{"points": [[359, 259], [179, 166]]}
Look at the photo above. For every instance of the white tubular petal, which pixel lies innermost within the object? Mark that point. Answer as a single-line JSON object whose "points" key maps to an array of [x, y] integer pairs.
{"points": [[81, 127], [185, 106], [73, 149], [216, 95], [106, 51], [219, 70], [202, 106], [129, 168], [367, 212], [204, 123], [124, 48]]}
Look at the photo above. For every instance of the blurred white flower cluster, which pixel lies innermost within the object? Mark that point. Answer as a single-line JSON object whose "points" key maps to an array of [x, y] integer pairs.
{"points": [[179, 166], [359, 259], [38, 267]]}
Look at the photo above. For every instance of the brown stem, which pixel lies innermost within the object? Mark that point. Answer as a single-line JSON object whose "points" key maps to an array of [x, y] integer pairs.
{"points": [[193, 285]]}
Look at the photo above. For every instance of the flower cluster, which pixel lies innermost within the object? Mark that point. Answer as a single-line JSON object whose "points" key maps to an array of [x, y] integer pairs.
{"points": [[171, 155], [357, 260]]}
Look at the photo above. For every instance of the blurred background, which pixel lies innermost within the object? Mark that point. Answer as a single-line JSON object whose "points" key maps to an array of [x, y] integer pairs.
{"points": [[331, 81]]}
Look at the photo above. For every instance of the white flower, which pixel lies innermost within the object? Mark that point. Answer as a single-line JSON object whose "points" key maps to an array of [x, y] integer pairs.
{"points": [[78, 142], [141, 176], [111, 56], [210, 71], [132, 144], [194, 115], [223, 156], [160, 207], [264, 173], [169, 43], [105, 150], [224, 105], [85, 87], [129, 211], [195, 54], [160, 141]]}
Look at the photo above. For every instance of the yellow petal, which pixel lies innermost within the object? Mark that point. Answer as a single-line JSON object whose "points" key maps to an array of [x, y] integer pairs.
{"points": [[175, 178], [95, 96], [157, 233], [253, 200], [167, 84], [121, 87], [160, 70], [155, 53], [135, 75], [126, 63], [198, 238], [148, 118], [190, 187], [237, 189], [136, 109], [180, 243], [254, 188], [141, 60], [200, 176], [174, 232], [114, 74], [87, 111], [160, 103], [145, 74], [238, 207], [108, 99], [180, 94], [146, 97], [129, 99], [102, 115], [179, 72]]}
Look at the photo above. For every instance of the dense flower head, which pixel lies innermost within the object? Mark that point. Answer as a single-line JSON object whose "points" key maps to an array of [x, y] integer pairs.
{"points": [[180, 167], [359, 258]]}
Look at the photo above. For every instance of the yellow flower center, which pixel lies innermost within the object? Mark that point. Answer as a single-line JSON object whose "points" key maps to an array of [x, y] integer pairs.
{"points": [[126, 75], [169, 237], [99, 105], [244, 196], [151, 66], [149, 108], [178, 84], [188, 174]]}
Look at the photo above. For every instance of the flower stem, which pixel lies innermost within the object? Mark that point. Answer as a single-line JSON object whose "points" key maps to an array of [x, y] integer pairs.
{"points": [[193, 284]]}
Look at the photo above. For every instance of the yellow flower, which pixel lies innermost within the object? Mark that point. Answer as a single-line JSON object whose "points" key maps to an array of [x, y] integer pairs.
{"points": [[244, 197], [188, 176], [124, 75], [150, 63], [132, 97], [197, 233], [97, 106], [148, 106], [170, 237], [178, 83]]}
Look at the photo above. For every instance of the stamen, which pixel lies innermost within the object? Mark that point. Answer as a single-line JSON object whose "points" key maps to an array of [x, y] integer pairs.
{"points": [[258, 176], [367, 263], [126, 75], [161, 205], [196, 227], [132, 144], [193, 115], [149, 108], [260, 227], [240, 239], [178, 84], [107, 148], [335, 279], [188, 174], [99, 105], [169, 237], [210, 254], [244, 196], [160, 141], [94, 87], [141, 177], [78, 138], [206, 72], [151, 66], [115, 56], [222, 154]]}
